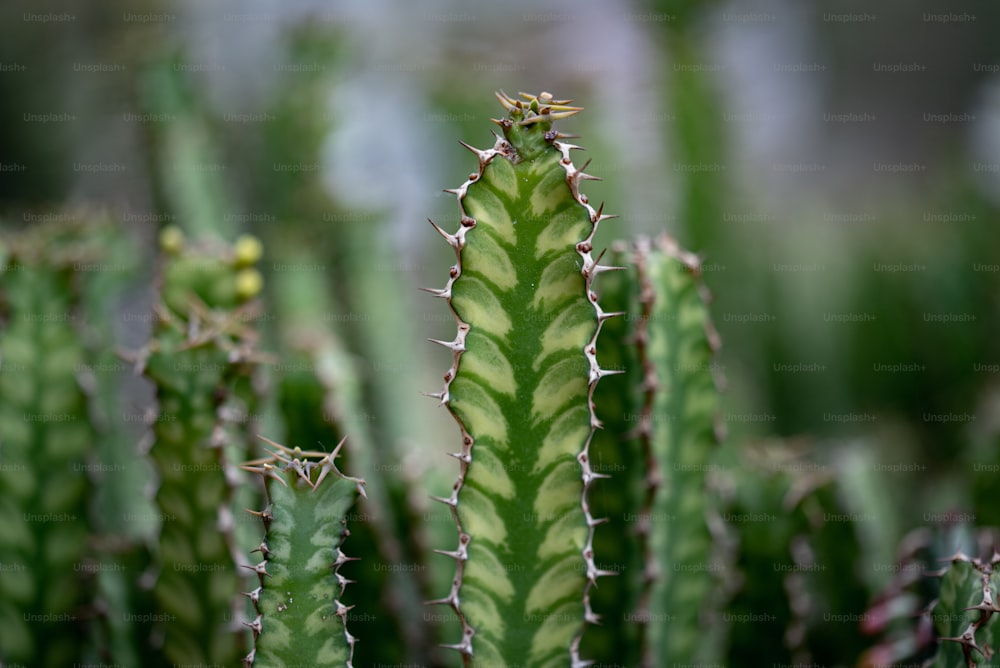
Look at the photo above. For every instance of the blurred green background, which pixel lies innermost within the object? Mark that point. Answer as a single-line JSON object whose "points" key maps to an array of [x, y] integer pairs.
{"points": [[837, 164]]}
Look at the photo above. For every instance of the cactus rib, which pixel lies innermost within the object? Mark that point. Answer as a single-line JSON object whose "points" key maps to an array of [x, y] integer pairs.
{"points": [[553, 213]]}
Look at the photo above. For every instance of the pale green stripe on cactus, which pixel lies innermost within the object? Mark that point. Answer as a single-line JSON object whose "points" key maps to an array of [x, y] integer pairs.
{"points": [[301, 620], [523, 369]]}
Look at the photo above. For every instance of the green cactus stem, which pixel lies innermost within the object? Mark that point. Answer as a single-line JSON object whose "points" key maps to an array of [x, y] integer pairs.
{"points": [[46, 443], [667, 438], [679, 428], [523, 372], [301, 620], [201, 358]]}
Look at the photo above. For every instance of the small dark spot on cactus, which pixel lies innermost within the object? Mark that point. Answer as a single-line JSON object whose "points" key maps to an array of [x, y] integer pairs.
{"points": [[468, 221], [453, 272], [474, 176], [584, 199], [550, 136], [447, 376], [467, 440], [584, 247]]}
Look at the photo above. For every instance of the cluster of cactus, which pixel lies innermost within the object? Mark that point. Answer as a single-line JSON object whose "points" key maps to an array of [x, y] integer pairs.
{"points": [[597, 517], [796, 553]]}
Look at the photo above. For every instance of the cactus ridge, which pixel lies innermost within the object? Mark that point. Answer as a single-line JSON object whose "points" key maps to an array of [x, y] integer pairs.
{"points": [[300, 585], [489, 295]]}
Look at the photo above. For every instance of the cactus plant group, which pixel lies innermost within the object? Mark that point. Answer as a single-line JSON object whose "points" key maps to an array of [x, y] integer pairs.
{"points": [[599, 515]]}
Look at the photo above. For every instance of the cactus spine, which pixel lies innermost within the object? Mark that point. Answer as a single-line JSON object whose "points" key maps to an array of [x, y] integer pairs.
{"points": [[300, 617], [523, 372]]}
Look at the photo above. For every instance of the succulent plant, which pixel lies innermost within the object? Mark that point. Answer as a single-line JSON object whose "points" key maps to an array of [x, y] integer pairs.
{"points": [[47, 578], [201, 359], [520, 385], [300, 617]]}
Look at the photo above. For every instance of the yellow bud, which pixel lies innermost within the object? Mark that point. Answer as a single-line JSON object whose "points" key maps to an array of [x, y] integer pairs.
{"points": [[171, 239], [248, 250], [249, 283]]}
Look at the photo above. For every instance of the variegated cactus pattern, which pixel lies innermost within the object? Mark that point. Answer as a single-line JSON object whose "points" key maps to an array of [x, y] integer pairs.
{"points": [[663, 428], [520, 387], [301, 620], [680, 425]]}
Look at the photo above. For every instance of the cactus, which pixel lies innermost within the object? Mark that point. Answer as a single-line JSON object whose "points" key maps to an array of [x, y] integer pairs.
{"points": [[956, 628], [666, 424], [300, 617], [47, 576], [523, 371], [799, 555], [966, 587], [319, 394], [679, 426], [201, 355]]}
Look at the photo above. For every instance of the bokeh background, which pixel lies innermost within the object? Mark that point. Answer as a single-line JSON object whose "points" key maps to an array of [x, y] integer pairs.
{"points": [[836, 164]]}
